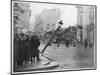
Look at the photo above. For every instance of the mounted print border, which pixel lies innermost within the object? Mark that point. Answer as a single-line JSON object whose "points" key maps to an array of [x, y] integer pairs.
{"points": [[52, 37]]}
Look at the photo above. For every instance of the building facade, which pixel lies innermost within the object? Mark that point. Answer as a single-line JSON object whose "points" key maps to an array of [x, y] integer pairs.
{"points": [[21, 16], [91, 26], [85, 20], [79, 23], [47, 20]]}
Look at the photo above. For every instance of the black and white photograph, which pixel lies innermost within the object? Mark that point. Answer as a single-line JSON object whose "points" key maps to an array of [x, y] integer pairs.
{"points": [[52, 37]]}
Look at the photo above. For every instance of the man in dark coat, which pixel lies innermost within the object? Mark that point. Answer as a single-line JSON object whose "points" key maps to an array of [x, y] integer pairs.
{"points": [[26, 46], [30, 48], [34, 47], [16, 49], [67, 43], [86, 43], [21, 50]]}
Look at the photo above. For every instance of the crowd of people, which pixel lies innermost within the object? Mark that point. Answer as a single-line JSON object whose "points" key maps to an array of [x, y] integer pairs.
{"points": [[25, 48], [75, 43]]}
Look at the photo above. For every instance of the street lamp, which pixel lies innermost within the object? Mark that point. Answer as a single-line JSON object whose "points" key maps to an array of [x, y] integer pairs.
{"points": [[59, 26]]}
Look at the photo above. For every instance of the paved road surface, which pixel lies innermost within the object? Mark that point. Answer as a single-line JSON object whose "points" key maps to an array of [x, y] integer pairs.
{"points": [[70, 58]]}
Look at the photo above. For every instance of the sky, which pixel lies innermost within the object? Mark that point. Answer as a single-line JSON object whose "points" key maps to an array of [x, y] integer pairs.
{"points": [[68, 12]]}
